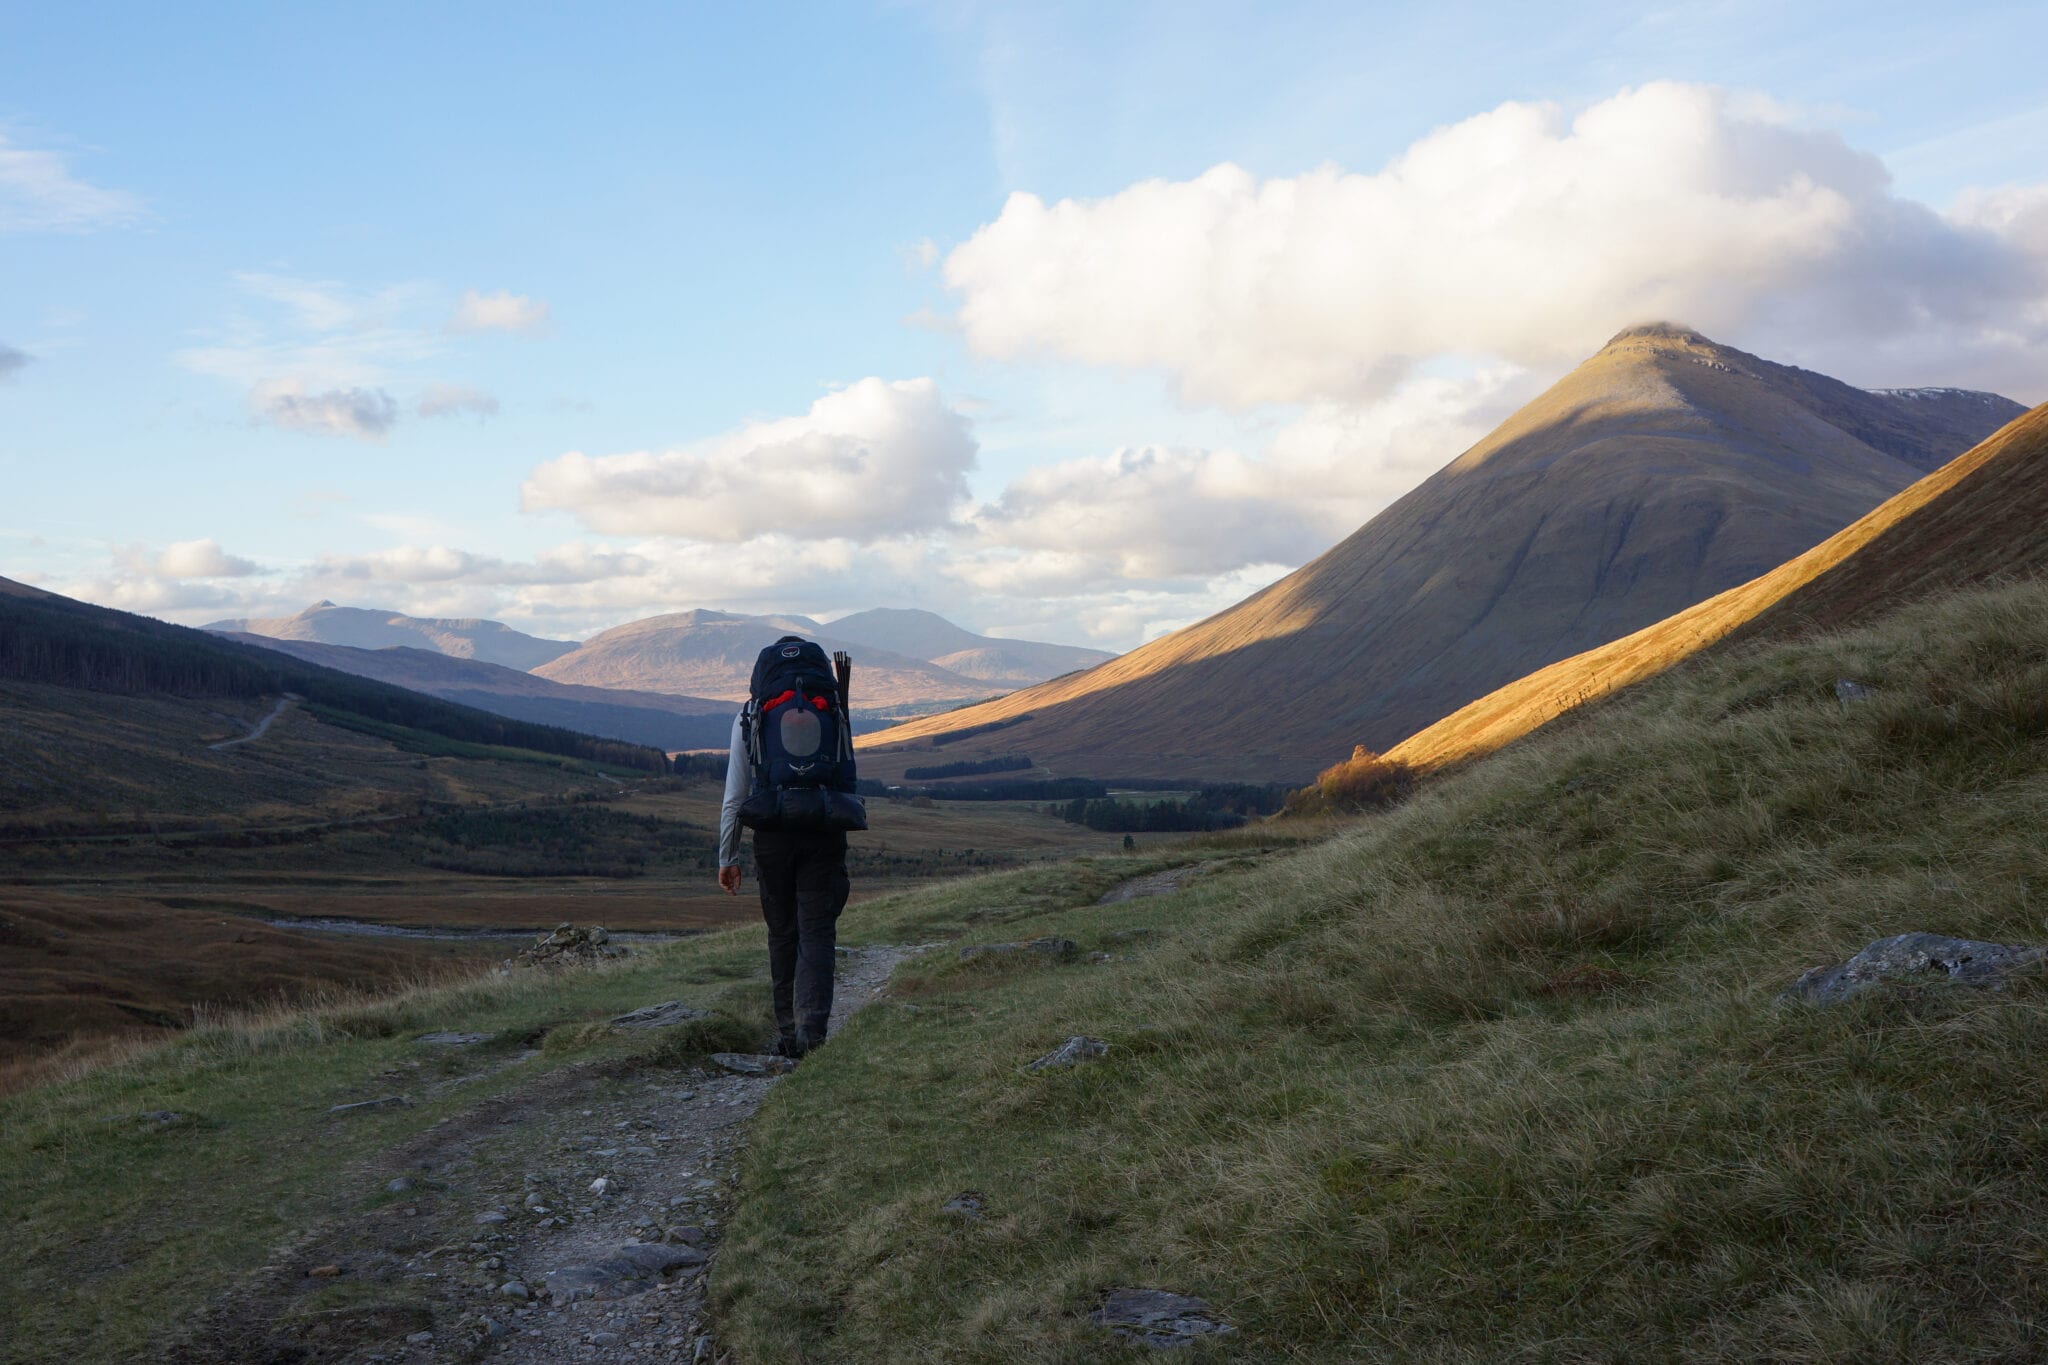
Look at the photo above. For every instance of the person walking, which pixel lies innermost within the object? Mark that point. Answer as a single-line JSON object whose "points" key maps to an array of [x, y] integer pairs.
{"points": [[790, 778]]}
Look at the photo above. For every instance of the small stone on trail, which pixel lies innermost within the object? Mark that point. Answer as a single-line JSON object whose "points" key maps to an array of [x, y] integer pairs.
{"points": [[600, 1185], [750, 1064], [418, 1338], [513, 1289], [492, 1328], [1074, 1051], [632, 1269], [400, 1185], [1916, 956], [361, 1106], [1156, 1318], [489, 1219], [324, 1272], [965, 1205]]}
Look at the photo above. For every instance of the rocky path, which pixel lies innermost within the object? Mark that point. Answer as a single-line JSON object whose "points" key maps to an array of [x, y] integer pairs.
{"points": [[261, 727], [1152, 884], [575, 1219]]}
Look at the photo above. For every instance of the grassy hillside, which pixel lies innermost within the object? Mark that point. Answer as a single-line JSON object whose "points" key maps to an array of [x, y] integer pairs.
{"points": [[1982, 517], [1497, 1075], [1663, 470]]}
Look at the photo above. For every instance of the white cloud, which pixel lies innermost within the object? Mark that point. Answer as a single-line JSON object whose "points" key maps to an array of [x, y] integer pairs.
{"points": [[39, 193], [871, 460], [202, 559], [367, 414], [1518, 234], [500, 312], [453, 400], [12, 361]]}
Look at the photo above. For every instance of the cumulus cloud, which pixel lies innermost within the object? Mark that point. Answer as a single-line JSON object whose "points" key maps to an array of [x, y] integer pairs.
{"points": [[871, 460], [1520, 234], [367, 414], [39, 193], [500, 312], [202, 559], [12, 361], [454, 400], [1154, 514]]}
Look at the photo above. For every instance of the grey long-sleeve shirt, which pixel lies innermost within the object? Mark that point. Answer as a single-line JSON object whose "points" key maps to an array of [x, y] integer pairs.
{"points": [[739, 785]]}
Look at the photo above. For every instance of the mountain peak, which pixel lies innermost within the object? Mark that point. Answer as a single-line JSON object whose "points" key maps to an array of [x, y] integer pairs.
{"points": [[323, 604], [1659, 331]]}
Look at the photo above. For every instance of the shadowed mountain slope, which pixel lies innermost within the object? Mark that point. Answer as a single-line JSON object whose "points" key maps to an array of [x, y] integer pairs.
{"points": [[493, 642], [660, 719], [1663, 470], [1980, 518]]}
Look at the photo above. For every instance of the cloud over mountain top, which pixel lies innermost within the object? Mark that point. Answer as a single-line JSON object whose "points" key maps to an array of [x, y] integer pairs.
{"points": [[1519, 233]]}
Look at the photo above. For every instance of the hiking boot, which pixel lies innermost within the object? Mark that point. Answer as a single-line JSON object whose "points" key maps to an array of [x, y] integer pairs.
{"points": [[792, 1046], [809, 1041]]}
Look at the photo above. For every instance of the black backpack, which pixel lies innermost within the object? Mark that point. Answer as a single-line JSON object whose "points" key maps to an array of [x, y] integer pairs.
{"points": [[799, 740]]}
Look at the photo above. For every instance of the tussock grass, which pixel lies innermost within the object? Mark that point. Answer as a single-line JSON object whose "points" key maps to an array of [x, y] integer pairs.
{"points": [[1498, 1074]]}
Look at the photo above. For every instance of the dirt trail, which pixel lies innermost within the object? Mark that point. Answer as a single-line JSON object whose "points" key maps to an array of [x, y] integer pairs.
{"points": [[261, 727], [476, 1211], [1152, 884]]}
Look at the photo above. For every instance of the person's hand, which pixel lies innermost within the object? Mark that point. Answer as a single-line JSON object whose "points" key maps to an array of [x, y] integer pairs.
{"points": [[729, 880]]}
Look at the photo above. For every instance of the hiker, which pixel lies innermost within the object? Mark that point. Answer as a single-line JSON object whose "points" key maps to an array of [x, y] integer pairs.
{"points": [[790, 778]]}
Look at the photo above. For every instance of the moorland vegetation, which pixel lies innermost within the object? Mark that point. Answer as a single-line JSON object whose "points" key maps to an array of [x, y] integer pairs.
{"points": [[1502, 1070]]}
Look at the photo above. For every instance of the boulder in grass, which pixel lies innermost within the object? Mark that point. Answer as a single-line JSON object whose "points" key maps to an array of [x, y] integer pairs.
{"points": [[1915, 957], [1156, 1318], [1073, 1052], [667, 1014], [1058, 948]]}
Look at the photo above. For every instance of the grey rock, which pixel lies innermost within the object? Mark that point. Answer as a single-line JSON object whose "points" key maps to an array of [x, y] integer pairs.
{"points": [[401, 1185], [1050, 947], [418, 1338], [603, 1338], [364, 1106], [1849, 693], [633, 1269], [453, 1039], [490, 1220], [750, 1064], [491, 1328], [966, 1206], [1074, 1051], [667, 1014], [513, 1289], [689, 1235], [640, 1151], [1157, 1318], [1915, 957]]}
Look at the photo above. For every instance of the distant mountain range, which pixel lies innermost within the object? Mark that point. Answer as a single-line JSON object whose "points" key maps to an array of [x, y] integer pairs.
{"points": [[1663, 470], [1979, 518], [711, 653], [491, 642], [668, 680]]}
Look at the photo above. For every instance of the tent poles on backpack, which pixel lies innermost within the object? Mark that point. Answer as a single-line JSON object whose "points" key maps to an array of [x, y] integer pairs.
{"points": [[842, 664]]}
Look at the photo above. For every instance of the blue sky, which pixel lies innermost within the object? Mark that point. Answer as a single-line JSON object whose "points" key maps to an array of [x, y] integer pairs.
{"points": [[570, 318]]}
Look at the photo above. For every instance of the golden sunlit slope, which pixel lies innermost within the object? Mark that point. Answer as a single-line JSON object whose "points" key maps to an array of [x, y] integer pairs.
{"points": [[1983, 516], [1661, 471]]}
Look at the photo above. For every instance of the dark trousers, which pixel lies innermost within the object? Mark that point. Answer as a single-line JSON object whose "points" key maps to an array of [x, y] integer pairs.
{"points": [[803, 889]]}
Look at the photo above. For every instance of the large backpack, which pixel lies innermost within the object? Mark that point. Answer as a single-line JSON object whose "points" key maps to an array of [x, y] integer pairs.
{"points": [[799, 740]]}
